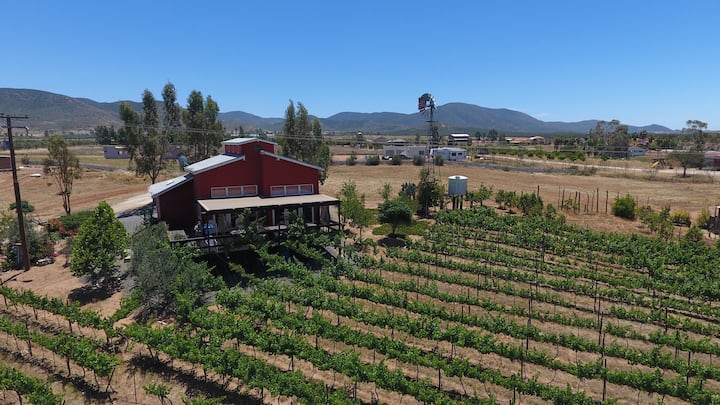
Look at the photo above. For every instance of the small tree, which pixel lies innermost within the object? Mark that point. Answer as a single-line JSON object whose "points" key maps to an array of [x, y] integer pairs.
{"points": [[394, 212], [429, 191], [530, 204], [352, 159], [688, 159], [63, 167], [484, 193], [352, 206], [624, 207], [102, 238], [385, 191]]}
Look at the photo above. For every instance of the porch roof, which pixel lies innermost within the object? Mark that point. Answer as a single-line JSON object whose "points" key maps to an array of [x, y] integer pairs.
{"points": [[239, 203]]}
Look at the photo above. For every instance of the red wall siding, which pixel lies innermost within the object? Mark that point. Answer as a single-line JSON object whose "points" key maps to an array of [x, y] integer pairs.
{"points": [[177, 207], [249, 147], [279, 172], [238, 173]]}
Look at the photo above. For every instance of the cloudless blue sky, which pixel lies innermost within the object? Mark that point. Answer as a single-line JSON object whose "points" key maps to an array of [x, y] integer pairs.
{"points": [[641, 62]]}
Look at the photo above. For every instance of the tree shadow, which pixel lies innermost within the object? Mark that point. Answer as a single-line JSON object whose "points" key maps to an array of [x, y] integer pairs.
{"points": [[393, 240], [94, 292]]}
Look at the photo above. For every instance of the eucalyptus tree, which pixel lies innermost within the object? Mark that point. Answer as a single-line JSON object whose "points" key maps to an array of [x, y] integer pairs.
{"points": [[152, 143], [63, 167], [203, 130], [303, 140]]}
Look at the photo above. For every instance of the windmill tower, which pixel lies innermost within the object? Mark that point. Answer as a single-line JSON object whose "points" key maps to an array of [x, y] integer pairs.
{"points": [[426, 106]]}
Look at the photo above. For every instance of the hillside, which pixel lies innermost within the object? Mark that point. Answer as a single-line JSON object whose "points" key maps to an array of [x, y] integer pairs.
{"points": [[56, 112]]}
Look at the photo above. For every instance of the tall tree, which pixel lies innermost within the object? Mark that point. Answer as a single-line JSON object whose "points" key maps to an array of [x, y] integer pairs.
{"points": [[289, 141], [101, 240], [63, 167], [152, 142], [303, 140], [105, 135], [172, 114], [696, 129], [203, 131], [130, 129]]}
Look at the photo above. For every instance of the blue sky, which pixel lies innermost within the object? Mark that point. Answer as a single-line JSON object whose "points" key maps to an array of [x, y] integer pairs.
{"points": [[641, 62]]}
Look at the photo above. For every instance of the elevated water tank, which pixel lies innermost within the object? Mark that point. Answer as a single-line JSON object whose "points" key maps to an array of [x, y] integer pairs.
{"points": [[457, 185]]}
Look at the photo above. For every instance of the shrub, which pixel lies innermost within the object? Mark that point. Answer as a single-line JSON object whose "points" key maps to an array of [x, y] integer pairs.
{"points": [[372, 160], [680, 217], [703, 219], [624, 207], [68, 225], [396, 160], [439, 161], [418, 160], [352, 160]]}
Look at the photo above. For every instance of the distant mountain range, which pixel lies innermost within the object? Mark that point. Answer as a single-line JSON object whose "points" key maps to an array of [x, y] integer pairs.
{"points": [[58, 113]]}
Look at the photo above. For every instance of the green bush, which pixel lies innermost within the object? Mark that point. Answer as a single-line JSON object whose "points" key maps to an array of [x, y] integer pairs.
{"points": [[703, 219], [68, 225], [372, 160], [624, 207], [352, 160], [418, 160], [680, 217]]}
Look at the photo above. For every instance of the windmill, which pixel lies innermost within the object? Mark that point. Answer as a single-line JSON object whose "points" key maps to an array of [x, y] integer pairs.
{"points": [[426, 106]]}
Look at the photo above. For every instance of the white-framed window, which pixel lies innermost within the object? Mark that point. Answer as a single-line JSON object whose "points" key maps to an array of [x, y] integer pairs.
{"points": [[297, 189], [234, 191]]}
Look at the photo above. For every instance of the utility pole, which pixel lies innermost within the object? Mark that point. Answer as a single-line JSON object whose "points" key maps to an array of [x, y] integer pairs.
{"points": [[16, 185]]}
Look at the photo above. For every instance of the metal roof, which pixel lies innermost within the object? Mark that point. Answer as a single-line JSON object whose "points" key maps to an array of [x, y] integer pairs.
{"points": [[213, 162], [229, 204], [276, 156], [242, 141], [167, 185]]}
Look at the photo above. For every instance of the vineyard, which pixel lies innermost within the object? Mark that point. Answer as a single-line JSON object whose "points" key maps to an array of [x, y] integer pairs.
{"points": [[482, 308]]}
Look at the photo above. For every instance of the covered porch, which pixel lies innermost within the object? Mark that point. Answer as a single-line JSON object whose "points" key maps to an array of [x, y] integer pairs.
{"points": [[224, 219]]}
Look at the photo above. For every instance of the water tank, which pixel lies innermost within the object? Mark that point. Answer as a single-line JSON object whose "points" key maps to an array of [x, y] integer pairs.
{"points": [[457, 185]]}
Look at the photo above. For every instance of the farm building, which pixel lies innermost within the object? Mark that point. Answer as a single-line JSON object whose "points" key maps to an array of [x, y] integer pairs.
{"points": [[121, 152], [522, 140], [449, 153], [5, 163], [712, 160], [408, 152], [634, 151], [115, 152], [248, 176], [459, 139]]}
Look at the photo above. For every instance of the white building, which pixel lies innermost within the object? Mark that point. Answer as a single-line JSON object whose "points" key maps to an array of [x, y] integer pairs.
{"points": [[408, 152], [449, 153]]}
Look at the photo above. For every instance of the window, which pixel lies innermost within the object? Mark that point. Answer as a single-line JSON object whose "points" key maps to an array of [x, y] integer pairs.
{"points": [[299, 189], [234, 191]]}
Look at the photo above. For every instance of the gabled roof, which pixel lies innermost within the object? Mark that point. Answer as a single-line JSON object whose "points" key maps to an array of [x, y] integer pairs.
{"points": [[287, 159], [213, 162], [158, 189], [242, 141]]}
